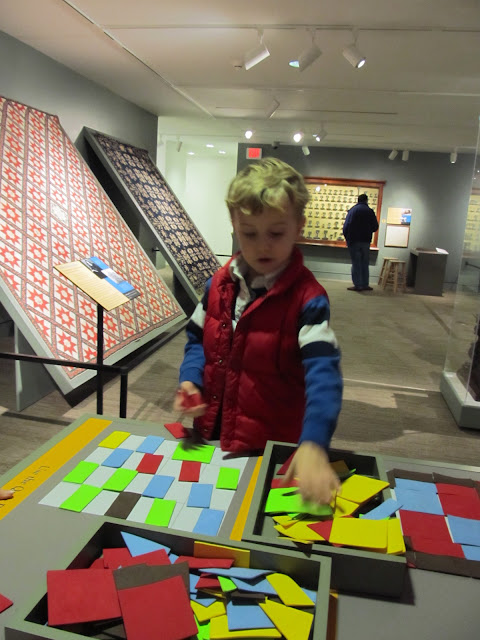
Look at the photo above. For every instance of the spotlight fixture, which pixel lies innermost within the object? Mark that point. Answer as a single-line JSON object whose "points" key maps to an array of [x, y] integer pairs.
{"points": [[298, 136], [272, 108], [405, 155], [256, 55], [393, 154], [308, 56], [353, 55], [209, 145], [453, 156], [321, 135], [179, 145], [306, 150], [248, 134]]}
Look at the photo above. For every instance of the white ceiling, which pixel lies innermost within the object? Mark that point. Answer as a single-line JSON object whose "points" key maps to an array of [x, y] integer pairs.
{"points": [[419, 90]]}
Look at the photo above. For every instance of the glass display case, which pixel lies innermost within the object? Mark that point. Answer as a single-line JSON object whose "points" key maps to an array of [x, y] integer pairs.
{"points": [[460, 383], [330, 200]]}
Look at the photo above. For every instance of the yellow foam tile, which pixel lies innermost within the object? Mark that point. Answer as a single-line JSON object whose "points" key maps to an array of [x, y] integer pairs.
{"points": [[302, 531], [368, 534], [285, 521], [343, 507], [241, 557], [219, 631], [292, 623], [286, 533], [115, 439], [207, 613], [289, 592], [396, 543], [359, 489]]}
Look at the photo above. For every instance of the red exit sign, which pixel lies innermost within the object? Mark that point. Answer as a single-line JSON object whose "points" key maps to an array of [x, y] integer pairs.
{"points": [[254, 153]]}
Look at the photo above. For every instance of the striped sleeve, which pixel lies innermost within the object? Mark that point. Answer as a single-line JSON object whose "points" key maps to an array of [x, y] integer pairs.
{"points": [[193, 363], [323, 379]]}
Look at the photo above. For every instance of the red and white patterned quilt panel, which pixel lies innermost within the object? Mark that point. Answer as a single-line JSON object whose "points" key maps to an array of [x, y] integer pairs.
{"points": [[52, 211]]}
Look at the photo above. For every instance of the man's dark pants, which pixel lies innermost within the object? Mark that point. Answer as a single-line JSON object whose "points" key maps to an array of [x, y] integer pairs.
{"points": [[359, 254]]}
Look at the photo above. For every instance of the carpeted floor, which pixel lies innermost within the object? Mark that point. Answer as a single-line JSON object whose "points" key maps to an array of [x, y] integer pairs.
{"points": [[393, 353]]}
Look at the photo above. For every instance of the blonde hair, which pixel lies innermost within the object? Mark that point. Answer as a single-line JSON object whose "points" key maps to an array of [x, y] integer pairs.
{"points": [[267, 183]]}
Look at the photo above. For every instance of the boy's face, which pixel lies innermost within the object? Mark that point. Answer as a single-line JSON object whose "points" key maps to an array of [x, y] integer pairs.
{"points": [[267, 239]]}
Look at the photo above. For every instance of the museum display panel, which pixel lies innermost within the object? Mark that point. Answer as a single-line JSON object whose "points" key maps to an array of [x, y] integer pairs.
{"points": [[460, 383], [330, 200]]}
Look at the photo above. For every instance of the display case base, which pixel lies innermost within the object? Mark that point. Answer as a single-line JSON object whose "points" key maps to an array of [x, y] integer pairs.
{"points": [[465, 410]]}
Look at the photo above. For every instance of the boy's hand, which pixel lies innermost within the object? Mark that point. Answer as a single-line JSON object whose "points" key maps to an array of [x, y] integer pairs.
{"points": [[317, 481], [5, 495], [189, 401]]}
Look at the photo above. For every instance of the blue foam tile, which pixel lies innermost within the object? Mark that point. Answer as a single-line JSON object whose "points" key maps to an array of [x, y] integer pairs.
{"points": [[202, 598], [117, 457], [470, 552], [193, 581], [150, 444], [138, 545], [256, 586], [384, 510], [209, 522], [200, 495], [424, 502], [158, 486], [415, 485], [464, 530], [242, 573], [245, 615]]}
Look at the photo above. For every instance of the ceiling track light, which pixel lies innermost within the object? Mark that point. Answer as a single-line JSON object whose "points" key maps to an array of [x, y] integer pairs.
{"points": [[248, 134], [353, 55], [179, 145], [321, 135], [453, 156], [306, 150], [257, 54], [405, 155], [272, 108], [298, 136], [307, 57], [393, 154]]}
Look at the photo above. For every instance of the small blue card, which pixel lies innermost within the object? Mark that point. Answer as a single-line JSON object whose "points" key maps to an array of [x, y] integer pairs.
{"points": [[384, 510], [415, 485], [158, 486], [464, 530], [239, 572], [422, 501], [245, 615], [117, 457], [209, 522], [138, 545], [200, 495], [150, 444], [257, 586]]}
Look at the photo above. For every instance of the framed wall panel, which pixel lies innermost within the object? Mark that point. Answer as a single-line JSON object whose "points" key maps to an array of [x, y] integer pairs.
{"points": [[53, 210], [330, 200], [140, 181], [396, 235]]}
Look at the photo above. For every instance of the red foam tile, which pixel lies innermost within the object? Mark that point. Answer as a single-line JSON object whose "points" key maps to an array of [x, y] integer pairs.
{"points": [[149, 463], [4, 603], [208, 582], [153, 558], [463, 506], [206, 563], [158, 610], [278, 482], [121, 557], [81, 595], [98, 564], [455, 489], [284, 468], [426, 524], [191, 400], [190, 471], [424, 544], [322, 528], [176, 429]]}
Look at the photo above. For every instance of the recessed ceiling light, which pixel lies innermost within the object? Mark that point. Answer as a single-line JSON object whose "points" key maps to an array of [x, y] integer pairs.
{"points": [[298, 136], [209, 146], [248, 134], [222, 151], [191, 153]]}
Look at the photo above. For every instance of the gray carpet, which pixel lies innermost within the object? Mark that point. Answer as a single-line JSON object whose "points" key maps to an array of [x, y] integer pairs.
{"points": [[393, 353]]}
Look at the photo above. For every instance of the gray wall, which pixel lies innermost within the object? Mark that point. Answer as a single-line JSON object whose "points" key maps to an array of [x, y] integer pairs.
{"points": [[436, 190], [32, 78]]}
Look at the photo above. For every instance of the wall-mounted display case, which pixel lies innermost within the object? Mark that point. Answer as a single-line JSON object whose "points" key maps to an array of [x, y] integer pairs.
{"points": [[330, 200]]}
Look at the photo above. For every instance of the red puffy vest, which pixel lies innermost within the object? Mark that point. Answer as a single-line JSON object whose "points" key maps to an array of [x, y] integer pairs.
{"points": [[255, 374]]}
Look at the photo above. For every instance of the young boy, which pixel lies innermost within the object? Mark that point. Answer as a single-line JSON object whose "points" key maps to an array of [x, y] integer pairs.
{"points": [[260, 349]]}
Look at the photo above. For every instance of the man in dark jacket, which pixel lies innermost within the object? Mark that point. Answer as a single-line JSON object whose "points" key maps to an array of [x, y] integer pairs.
{"points": [[358, 227]]}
